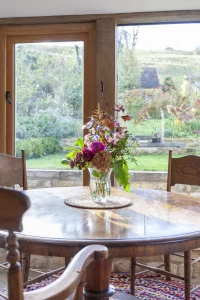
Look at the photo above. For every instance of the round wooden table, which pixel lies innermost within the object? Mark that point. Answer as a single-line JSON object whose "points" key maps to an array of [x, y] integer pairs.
{"points": [[157, 222]]}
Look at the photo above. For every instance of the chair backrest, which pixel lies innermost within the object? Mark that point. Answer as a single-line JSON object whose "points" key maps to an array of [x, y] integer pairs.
{"points": [[183, 170], [13, 170], [13, 205]]}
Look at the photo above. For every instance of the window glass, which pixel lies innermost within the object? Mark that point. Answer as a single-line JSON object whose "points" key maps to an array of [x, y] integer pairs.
{"points": [[159, 86], [49, 100]]}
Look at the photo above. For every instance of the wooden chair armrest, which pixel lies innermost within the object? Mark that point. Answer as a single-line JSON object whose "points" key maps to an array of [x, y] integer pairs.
{"points": [[65, 285]]}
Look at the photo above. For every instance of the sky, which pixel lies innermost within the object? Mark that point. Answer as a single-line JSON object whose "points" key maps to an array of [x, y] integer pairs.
{"points": [[177, 36], [158, 37]]}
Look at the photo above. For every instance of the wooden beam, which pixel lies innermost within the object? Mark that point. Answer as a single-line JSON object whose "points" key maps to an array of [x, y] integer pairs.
{"points": [[122, 18], [160, 17], [2, 93], [106, 63]]}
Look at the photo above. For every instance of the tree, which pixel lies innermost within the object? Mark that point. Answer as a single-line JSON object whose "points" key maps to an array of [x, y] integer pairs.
{"points": [[129, 69]]}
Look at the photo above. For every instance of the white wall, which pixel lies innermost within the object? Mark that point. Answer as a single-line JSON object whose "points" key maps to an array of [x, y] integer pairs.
{"points": [[26, 8]]}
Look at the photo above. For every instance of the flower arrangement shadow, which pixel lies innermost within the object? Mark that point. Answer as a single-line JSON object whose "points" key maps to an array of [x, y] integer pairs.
{"points": [[105, 147]]}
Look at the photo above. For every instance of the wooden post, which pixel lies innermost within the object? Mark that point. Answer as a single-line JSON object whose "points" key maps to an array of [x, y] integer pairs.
{"points": [[2, 93], [133, 272], [106, 75], [15, 291], [106, 63], [97, 280], [167, 265], [187, 273]]}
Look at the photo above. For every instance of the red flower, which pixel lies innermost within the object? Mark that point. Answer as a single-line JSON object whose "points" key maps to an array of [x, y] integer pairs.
{"points": [[87, 154]]}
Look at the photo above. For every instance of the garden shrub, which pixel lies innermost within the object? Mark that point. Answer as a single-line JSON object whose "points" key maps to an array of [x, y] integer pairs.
{"points": [[45, 124], [37, 147], [177, 129]]}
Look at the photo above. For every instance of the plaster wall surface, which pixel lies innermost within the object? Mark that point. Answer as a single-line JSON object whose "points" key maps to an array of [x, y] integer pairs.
{"points": [[24, 8]]}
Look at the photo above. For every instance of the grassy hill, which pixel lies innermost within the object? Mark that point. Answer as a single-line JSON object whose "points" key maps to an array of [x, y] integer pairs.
{"points": [[174, 64]]}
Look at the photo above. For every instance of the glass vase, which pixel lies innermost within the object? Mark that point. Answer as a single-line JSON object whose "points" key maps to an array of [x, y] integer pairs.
{"points": [[100, 185]]}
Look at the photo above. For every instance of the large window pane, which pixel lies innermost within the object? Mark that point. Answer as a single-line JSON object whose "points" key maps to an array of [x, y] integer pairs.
{"points": [[49, 97], [159, 82]]}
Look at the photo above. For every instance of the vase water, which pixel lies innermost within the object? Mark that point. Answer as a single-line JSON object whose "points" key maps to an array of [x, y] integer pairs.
{"points": [[100, 185]]}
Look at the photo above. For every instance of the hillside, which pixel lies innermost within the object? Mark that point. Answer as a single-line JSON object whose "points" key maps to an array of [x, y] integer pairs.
{"points": [[174, 64]]}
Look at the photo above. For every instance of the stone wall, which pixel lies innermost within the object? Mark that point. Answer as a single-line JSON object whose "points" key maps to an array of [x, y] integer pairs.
{"points": [[139, 179], [52, 178]]}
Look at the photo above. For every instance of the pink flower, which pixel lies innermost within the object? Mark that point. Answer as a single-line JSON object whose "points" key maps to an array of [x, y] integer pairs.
{"points": [[115, 141], [95, 147], [116, 135]]}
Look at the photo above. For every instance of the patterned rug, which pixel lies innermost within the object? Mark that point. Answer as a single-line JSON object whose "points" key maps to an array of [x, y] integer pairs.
{"points": [[148, 287], [152, 287]]}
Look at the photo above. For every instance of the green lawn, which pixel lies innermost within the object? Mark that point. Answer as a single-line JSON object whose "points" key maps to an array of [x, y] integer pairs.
{"points": [[148, 162], [145, 128], [52, 161]]}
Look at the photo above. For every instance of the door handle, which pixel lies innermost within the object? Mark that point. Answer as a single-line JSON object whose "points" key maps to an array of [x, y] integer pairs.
{"points": [[8, 97]]}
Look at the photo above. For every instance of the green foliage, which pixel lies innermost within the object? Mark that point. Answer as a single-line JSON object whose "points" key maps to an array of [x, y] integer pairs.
{"points": [[129, 71], [49, 74], [140, 101], [49, 92], [95, 173], [72, 151], [120, 169], [37, 147], [47, 124], [177, 129], [168, 85], [79, 142]]}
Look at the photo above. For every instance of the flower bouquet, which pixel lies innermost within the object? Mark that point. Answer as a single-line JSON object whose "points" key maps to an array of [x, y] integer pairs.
{"points": [[105, 148]]}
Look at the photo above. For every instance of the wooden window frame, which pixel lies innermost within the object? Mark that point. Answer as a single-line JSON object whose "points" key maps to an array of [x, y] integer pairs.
{"points": [[102, 48], [19, 34]]}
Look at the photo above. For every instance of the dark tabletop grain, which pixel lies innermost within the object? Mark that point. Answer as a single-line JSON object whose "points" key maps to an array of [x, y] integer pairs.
{"points": [[153, 217]]}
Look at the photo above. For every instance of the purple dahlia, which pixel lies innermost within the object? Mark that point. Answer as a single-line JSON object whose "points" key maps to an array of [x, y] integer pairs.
{"points": [[95, 147]]}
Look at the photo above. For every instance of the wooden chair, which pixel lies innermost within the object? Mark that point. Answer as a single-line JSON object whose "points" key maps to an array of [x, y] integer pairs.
{"points": [[69, 282], [183, 170], [12, 173]]}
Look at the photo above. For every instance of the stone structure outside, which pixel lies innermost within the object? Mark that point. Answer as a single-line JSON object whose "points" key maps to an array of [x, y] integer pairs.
{"points": [[149, 78]]}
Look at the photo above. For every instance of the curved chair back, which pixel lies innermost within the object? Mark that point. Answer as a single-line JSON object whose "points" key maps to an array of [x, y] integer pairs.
{"points": [[13, 170], [13, 205], [183, 170]]}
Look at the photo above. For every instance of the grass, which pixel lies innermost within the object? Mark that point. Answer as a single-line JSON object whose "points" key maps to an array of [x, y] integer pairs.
{"points": [[150, 162], [147, 162], [52, 161], [145, 128]]}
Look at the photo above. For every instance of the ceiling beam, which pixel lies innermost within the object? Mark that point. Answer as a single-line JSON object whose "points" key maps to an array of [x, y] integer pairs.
{"points": [[122, 18]]}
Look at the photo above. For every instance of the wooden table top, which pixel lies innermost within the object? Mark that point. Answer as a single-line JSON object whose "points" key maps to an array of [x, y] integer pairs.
{"points": [[155, 217]]}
